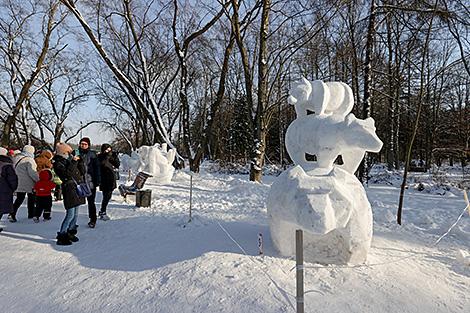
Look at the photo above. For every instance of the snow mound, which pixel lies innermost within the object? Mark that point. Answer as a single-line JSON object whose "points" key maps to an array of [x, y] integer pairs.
{"points": [[463, 257], [233, 168]]}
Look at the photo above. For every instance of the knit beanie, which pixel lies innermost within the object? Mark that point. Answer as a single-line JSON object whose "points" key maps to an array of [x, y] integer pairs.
{"points": [[3, 151], [29, 149], [85, 139], [47, 154], [63, 148], [104, 147]]}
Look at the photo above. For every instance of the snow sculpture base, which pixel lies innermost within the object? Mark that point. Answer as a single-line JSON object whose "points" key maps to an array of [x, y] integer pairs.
{"points": [[332, 209]]}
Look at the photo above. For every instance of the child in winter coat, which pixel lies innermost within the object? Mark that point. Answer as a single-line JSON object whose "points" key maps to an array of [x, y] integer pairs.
{"points": [[8, 183], [43, 189]]}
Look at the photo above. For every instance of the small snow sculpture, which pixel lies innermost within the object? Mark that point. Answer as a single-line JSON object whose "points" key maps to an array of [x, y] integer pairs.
{"points": [[323, 199], [155, 160]]}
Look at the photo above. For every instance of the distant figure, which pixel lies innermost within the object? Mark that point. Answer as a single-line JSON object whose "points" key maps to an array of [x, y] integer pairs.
{"points": [[43, 189], [92, 175], [8, 183], [70, 170], [109, 164], [25, 168], [58, 183]]}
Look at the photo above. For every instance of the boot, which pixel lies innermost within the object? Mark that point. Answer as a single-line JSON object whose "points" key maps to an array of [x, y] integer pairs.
{"points": [[103, 216], [12, 217], [63, 239], [71, 234], [46, 215]]}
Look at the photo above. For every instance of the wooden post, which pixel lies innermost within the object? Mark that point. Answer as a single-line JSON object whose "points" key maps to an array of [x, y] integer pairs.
{"points": [[299, 262], [190, 197]]}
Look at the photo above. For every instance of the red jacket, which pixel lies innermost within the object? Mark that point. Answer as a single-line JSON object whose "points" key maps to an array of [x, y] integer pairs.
{"points": [[44, 185]]}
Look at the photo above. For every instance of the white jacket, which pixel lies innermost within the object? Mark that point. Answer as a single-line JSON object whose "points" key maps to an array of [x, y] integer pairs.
{"points": [[25, 168]]}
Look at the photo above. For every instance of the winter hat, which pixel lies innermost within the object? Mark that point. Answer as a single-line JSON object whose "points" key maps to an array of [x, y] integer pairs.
{"points": [[104, 147], [47, 154], [28, 149], [85, 139], [3, 151], [63, 148]]}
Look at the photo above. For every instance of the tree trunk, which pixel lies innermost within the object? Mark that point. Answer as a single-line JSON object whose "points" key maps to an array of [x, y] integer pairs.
{"points": [[259, 146], [391, 99], [366, 102]]}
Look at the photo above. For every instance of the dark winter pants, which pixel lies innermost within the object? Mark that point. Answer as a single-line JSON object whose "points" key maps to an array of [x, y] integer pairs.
{"points": [[91, 205], [58, 193], [43, 204], [19, 200], [106, 197]]}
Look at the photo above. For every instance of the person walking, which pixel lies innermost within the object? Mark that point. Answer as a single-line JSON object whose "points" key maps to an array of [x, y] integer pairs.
{"points": [[92, 176], [43, 189], [109, 164], [8, 183], [25, 168], [71, 171]]}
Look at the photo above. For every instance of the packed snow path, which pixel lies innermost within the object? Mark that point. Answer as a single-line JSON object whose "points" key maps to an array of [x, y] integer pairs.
{"points": [[151, 260]]}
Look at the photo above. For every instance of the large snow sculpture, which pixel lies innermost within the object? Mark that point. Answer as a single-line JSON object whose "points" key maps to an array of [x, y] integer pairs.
{"points": [[323, 199], [130, 163], [155, 160]]}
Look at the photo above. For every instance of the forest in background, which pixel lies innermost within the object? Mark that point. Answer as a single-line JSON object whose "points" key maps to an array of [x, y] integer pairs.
{"points": [[211, 78]]}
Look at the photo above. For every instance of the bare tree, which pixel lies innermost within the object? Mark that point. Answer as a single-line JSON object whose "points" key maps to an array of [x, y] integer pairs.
{"points": [[24, 68], [136, 84], [66, 87], [182, 47], [420, 106]]}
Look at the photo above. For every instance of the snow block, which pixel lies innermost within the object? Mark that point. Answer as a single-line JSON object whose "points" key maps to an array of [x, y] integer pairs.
{"points": [[332, 210]]}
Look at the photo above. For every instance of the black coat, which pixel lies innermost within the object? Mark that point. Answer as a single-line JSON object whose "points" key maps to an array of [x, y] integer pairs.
{"points": [[109, 162], [70, 173], [8, 184], [92, 166]]}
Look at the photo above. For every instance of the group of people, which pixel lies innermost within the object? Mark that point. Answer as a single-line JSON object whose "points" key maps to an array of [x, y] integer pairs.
{"points": [[65, 171]]}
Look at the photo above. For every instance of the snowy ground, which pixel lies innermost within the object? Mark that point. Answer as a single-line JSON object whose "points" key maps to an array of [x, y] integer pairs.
{"points": [[152, 260]]}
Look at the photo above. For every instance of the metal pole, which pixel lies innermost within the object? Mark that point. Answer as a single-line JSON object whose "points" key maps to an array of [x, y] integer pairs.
{"points": [[190, 197], [299, 262], [260, 243]]}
